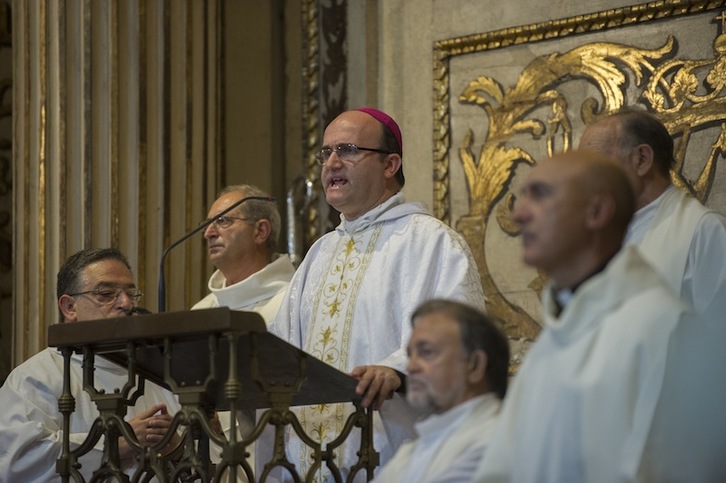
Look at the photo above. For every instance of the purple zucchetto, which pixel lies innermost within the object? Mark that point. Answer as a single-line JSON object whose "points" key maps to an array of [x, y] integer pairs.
{"points": [[387, 121], [393, 128]]}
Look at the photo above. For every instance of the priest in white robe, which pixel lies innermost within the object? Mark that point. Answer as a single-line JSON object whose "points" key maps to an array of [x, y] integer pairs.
{"points": [[250, 276], [31, 433], [679, 236], [351, 298], [687, 438], [458, 373], [581, 406], [92, 284]]}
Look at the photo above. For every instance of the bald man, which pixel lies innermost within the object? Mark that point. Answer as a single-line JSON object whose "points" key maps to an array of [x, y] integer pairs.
{"points": [[350, 300], [580, 407]]}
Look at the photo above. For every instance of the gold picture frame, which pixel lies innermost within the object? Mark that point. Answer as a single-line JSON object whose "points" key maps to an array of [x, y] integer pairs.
{"points": [[649, 54]]}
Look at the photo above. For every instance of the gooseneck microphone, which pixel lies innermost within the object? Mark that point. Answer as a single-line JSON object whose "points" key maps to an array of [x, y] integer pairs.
{"points": [[202, 226]]}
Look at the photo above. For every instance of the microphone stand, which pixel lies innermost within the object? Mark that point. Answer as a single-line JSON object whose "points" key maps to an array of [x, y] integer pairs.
{"points": [[202, 226]]}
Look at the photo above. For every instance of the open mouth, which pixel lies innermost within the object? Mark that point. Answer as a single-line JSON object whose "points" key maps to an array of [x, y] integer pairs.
{"points": [[337, 182]]}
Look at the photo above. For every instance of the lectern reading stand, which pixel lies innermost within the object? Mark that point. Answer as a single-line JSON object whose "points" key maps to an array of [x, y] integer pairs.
{"points": [[213, 360]]}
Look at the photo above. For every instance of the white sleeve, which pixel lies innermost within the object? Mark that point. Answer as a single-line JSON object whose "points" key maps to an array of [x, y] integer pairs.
{"points": [[30, 432], [704, 280]]}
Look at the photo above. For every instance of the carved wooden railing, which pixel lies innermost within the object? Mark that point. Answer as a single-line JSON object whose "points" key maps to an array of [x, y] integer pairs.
{"points": [[214, 359]]}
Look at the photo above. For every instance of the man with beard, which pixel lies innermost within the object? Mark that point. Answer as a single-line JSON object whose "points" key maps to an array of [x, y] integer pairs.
{"points": [[457, 373]]}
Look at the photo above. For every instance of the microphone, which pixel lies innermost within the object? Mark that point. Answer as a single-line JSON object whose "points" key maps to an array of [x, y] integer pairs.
{"points": [[202, 226]]}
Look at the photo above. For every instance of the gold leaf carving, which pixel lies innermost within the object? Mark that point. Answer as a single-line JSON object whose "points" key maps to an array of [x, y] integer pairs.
{"points": [[685, 93]]}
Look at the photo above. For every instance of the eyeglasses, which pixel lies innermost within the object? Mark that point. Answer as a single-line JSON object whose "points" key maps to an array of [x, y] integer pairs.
{"points": [[109, 296], [224, 221], [345, 151]]}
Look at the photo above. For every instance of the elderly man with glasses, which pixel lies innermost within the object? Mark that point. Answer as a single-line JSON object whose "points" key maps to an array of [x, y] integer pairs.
{"points": [[249, 274], [350, 300], [241, 244], [92, 284]]}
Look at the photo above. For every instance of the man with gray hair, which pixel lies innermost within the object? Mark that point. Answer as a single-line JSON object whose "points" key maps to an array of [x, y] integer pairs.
{"points": [[458, 361], [250, 275], [241, 244], [679, 236]]}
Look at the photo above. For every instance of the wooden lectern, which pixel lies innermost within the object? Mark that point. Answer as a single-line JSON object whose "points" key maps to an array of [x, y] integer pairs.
{"points": [[213, 359]]}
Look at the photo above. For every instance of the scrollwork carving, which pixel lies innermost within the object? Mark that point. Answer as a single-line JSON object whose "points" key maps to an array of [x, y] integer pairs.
{"points": [[687, 94]]}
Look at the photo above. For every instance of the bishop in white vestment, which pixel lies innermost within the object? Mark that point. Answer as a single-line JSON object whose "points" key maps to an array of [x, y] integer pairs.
{"points": [[350, 301]]}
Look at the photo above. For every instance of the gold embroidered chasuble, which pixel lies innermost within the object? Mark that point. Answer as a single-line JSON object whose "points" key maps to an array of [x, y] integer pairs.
{"points": [[349, 304], [330, 328]]}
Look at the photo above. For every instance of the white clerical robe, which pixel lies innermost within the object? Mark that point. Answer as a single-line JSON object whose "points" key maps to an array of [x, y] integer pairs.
{"points": [[580, 408], [262, 292], [684, 241], [350, 303], [449, 446], [687, 439], [31, 424]]}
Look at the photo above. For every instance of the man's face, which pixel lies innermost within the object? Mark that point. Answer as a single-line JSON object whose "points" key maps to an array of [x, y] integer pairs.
{"points": [[104, 275], [551, 212], [354, 186], [437, 365], [228, 245]]}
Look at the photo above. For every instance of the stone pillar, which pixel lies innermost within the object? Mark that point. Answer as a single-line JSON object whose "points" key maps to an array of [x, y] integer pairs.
{"points": [[117, 125]]}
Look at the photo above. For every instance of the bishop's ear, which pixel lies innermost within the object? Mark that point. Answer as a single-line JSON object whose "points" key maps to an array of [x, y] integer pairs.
{"points": [[392, 164]]}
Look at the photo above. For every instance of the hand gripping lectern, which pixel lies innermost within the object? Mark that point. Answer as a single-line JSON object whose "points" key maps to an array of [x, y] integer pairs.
{"points": [[213, 360]]}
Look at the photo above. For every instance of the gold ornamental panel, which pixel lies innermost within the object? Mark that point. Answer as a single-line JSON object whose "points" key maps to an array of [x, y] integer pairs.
{"points": [[507, 98]]}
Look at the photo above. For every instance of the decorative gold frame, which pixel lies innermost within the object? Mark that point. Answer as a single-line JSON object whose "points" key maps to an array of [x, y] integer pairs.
{"points": [[672, 88]]}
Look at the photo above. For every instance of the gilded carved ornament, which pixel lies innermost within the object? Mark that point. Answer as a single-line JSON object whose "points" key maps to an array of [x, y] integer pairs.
{"points": [[687, 95]]}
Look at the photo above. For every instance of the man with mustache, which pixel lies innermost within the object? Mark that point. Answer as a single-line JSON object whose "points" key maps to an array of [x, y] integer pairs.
{"points": [[458, 364]]}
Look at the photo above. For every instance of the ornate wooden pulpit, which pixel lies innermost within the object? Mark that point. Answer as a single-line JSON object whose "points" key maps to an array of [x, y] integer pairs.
{"points": [[213, 359]]}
